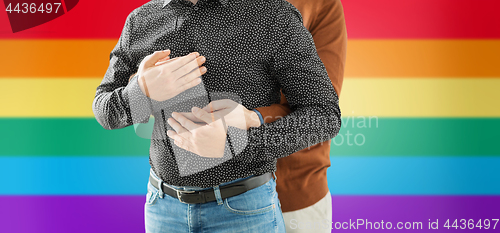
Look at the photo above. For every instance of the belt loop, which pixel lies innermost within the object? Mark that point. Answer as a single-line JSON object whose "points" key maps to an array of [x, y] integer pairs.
{"points": [[217, 195], [160, 187], [275, 177]]}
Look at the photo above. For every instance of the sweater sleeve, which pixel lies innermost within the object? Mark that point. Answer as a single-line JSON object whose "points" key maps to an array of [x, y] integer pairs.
{"points": [[330, 37], [275, 111]]}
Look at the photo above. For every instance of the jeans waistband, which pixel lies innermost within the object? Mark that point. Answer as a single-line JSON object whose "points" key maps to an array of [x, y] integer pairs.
{"points": [[194, 188]]}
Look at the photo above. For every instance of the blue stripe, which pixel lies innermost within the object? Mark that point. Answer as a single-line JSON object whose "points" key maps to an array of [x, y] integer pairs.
{"points": [[425, 175], [74, 175], [353, 175]]}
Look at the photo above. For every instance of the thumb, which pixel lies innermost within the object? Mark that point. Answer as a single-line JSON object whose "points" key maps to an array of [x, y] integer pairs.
{"points": [[152, 59], [162, 61]]}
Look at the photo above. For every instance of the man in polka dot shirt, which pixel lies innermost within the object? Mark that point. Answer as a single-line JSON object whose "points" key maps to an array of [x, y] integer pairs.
{"points": [[250, 50]]}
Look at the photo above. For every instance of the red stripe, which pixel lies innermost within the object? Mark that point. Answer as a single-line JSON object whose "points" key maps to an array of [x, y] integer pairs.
{"points": [[422, 19], [89, 19], [366, 19]]}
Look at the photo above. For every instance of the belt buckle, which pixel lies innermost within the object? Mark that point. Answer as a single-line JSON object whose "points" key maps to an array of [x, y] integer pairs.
{"points": [[179, 192]]}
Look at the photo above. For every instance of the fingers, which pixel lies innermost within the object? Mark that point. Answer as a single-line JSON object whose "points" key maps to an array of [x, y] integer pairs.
{"points": [[177, 127], [155, 57], [192, 79], [203, 115], [178, 140], [186, 70], [218, 105], [190, 68], [191, 117], [181, 61], [184, 122], [166, 60]]}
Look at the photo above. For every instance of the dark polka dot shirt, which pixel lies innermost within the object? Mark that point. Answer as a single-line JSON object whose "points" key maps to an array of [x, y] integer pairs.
{"points": [[254, 49]]}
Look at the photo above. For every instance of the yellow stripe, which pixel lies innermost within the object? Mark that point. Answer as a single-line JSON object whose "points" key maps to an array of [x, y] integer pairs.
{"points": [[419, 97], [47, 97], [384, 97]]}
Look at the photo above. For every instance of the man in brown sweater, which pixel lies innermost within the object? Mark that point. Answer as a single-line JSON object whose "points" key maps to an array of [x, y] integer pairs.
{"points": [[301, 177]]}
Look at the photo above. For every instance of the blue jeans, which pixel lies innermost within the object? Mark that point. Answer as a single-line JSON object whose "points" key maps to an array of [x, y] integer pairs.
{"points": [[257, 210]]}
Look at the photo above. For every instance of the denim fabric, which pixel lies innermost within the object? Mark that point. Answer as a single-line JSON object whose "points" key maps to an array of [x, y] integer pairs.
{"points": [[257, 210]]}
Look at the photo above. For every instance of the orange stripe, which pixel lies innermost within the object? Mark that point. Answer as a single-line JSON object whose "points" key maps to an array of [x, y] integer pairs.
{"points": [[55, 58], [423, 58], [365, 58]]}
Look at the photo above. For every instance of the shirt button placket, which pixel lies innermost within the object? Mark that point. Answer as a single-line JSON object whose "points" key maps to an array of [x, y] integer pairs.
{"points": [[194, 31]]}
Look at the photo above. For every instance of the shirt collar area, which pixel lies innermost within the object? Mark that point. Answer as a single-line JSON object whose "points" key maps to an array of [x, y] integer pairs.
{"points": [[166, 2]]}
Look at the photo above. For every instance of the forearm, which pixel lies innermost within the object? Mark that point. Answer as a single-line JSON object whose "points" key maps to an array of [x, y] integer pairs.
{"points": [[122, 106], [275, 111], [314, 117], [304, 127]]}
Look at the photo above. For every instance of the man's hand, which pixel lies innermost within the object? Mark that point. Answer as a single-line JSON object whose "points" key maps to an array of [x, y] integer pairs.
{"points": [[207, 139], [233, 113], [166, 78]]}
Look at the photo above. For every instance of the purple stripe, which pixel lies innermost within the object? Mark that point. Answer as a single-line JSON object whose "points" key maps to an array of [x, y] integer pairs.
{"points": [[74, 214], [58, 214], [411, 209]]}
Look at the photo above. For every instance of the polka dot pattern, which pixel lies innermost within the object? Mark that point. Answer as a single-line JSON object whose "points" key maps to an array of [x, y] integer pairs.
{"points": [[254, 49]]}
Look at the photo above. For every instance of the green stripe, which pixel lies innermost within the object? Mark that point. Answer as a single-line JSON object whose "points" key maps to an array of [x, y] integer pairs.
{"points": [[67, 136], [418, 136], [393, 136]]}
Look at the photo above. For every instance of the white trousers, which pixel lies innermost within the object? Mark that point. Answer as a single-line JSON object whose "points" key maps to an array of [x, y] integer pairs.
{"points": [[316, 218]]}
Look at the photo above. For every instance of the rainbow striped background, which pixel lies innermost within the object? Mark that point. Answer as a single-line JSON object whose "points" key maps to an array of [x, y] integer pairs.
{"points": [[420, 104]]}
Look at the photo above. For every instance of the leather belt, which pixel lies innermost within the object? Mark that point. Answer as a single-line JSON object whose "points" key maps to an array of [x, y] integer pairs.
{"points": [[208, 195]]}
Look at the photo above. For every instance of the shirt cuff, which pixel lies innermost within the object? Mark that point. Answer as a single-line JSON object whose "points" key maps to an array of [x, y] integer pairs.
{"points": [[140, 105], [260, 116]]}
